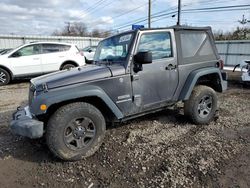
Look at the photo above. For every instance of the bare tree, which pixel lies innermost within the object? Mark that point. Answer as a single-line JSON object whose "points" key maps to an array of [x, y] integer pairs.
{"points": [[80, 29], [100, 33]]}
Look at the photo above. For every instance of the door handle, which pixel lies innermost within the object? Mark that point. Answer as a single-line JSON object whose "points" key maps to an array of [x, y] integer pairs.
{"points": [[36, 58], [170, 67]]}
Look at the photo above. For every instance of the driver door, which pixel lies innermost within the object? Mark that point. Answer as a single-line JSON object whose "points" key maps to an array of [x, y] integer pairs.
{"points": [[27, 60], [155, 85]]}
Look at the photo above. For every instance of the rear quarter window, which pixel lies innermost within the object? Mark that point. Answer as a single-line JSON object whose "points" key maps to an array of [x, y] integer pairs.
{"points": [[196, 46], [53, 48]]}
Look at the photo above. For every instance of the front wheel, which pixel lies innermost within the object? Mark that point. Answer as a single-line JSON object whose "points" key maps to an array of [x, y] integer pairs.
{"points": [[4, 77], [202, 105], [75, 131]]}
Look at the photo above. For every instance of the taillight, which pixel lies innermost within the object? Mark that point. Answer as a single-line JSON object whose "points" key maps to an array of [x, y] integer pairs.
{"points": [[220, 64]]}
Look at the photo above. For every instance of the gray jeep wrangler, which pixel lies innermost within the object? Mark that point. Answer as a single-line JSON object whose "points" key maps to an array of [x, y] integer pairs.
{"points": [[134, 73]]}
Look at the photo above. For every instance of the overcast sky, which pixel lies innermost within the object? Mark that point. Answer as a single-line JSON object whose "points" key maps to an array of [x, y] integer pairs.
{"points": [[43, 17]]}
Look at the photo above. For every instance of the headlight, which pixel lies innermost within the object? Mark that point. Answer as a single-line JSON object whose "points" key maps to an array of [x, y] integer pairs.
{"points": [[32, 92], [32, 87], [36, 90]]}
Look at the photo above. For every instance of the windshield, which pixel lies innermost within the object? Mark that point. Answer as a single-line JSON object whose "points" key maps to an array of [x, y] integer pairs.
{"points": [[114, 49]]}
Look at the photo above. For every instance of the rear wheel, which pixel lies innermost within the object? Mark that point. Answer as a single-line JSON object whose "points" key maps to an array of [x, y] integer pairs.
{"points": [[68, 66], [75, 131], [202, 105], [4, 77]]}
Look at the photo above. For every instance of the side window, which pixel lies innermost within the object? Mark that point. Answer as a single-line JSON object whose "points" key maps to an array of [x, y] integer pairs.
{"points": [[195, 46], [64, 48], [158, 43], [29, 50], [52, 48]]}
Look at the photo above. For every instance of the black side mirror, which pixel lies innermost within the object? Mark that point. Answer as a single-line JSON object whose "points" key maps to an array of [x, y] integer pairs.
{"points": [[143, 58]]}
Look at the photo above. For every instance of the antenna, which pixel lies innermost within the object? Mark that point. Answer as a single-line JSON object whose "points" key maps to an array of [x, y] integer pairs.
{"points": [[179, 12]]}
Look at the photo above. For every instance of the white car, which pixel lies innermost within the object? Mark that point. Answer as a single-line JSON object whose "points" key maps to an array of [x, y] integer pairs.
{"points": [[245, 70], [89, 53], [38, 58]]}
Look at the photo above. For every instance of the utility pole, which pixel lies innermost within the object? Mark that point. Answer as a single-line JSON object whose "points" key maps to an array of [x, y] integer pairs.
{"points": [[179, 12], [243, 21], [149, 13]]}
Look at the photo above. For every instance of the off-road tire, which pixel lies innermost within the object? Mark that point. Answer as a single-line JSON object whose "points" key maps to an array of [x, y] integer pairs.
{"points": [[59, 122], [68, 66], [192, 107], [4, 77]]}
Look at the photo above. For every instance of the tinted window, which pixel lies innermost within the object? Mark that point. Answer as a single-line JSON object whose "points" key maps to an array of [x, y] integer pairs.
{"points": [[51, 48], [158, 43], [29, 50]]}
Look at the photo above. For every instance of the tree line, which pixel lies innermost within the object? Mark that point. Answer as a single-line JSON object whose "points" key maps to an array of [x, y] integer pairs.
{"points": [[240, 33], [80, 29]]}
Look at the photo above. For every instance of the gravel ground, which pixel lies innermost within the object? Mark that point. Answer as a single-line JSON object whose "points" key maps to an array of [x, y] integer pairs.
{"points": [[159, 150]]}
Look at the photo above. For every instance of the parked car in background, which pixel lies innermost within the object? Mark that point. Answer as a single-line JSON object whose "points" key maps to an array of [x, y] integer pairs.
{"points": [[89, 53], [5, 51], [38, 58], [245, 70]]}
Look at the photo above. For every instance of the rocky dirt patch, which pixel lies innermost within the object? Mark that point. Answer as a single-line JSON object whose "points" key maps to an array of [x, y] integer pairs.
{"points": [[160, 150]]}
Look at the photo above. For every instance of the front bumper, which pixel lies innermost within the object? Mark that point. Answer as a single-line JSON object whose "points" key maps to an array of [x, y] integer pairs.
{"points": [[23, 124]]}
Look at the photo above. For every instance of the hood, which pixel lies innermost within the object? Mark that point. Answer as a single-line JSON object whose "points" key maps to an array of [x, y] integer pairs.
{"points": [[77, 75], [4, 56]]}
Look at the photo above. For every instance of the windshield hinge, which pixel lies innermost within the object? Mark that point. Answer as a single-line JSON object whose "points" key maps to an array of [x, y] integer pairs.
{"points": [[45, 87], [135, 77]]}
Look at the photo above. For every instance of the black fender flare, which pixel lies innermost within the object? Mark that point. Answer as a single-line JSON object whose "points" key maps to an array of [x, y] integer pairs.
{"points": [[193, 78], [68, 93]]}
